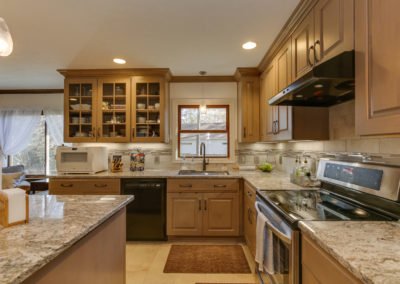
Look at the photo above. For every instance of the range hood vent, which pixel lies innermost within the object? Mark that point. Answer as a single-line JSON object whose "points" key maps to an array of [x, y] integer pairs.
{"points": [[327, 84]]}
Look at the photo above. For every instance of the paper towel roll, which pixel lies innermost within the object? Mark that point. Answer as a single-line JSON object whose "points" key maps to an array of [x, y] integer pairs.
{"points": [[16, 204]]}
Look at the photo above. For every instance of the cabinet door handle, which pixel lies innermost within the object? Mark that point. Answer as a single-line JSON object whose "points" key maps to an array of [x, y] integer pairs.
{"points": [[309, 56], [100, 185], [249, 194], [66, 185], [98, 132], [219, 185], [185, 185], [199, 205], [277, 127], [133, 132], [273, 127], [244, 132], [94, 132], [318, 42], [205, 205]]}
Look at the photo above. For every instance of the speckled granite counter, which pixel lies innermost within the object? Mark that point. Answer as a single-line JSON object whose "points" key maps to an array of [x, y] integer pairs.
{"points": [[370, 250], [56, 223], [275, 180]]}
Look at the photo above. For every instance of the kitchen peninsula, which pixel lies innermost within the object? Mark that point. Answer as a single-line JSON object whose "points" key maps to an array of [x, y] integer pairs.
{"points": [[66, 233]]}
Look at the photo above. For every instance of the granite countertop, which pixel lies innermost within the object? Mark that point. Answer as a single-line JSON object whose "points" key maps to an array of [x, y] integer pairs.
{"points": [[56, 223], [276, 180], [370, 250]]}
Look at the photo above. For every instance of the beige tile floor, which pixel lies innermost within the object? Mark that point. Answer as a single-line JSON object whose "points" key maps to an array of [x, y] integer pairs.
{"points": [[145, 264]]}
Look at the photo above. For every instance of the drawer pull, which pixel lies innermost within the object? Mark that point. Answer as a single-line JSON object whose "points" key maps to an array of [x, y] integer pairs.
{"points": [[199, 205], [67, 185], [185, 185], [219, 185], [100, 185], [205, 204]]}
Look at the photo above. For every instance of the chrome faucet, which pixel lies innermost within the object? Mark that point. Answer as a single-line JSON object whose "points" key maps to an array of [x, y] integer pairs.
{"points": [[203, 152]]}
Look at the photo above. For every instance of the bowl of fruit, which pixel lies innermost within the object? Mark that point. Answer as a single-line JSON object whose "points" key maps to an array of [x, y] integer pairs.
{"points": [[266, 167]]}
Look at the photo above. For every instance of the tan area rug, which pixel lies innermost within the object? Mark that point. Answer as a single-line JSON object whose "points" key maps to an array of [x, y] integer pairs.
{"points": [[206, 259]]}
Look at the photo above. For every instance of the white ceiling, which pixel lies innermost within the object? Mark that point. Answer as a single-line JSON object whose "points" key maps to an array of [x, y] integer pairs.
{"points": [[184, 35]]}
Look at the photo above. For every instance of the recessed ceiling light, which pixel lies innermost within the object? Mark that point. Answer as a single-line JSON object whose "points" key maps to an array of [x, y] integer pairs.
{"points": [[249, 45], [119, 60]]}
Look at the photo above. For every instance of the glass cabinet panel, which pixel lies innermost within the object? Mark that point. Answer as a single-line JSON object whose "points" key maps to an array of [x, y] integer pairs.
{"points": [[80, 125], [114, 117], [148, 114]]}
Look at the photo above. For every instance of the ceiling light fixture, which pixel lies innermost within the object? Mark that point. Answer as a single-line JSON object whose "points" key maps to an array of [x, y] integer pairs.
{"points": [[119, 60], [6, 42], [249, 45]]}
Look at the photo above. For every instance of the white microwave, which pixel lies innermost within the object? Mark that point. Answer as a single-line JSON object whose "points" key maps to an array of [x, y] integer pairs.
{"points": [[83, 160]]}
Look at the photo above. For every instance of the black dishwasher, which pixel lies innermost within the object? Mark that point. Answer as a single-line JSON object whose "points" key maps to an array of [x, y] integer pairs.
{"points": [[146, 215]]}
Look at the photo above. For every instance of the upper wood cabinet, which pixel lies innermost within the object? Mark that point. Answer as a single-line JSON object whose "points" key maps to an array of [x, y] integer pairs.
{"points": [[148, 105], [116, 105], [326, 31], [113, 105], [334, 28], [248, 104], [268, 113], [377, 67], [80, 102], [303, 46]]}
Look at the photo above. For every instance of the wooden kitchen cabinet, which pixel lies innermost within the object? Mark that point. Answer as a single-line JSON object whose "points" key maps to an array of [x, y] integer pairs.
{"points": [[318, 267], [184, 215], [248, 104], [334, 28], [80, 110], [61, 186], [208, 207], [250, 217], [282, 114], [325, 32], [303, 47], [377, 70], [268, 113], [113, 107], [221, 214], [102, 105], [148, 109]]}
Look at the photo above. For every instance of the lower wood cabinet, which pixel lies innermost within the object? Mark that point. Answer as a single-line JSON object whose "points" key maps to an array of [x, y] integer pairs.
{"points": [[250, 217], [211, 209], [95, 186], [318, 267]]}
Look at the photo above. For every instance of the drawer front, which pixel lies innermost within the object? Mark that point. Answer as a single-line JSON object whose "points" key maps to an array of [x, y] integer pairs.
{"points": [[84, 186], [193, 185]]}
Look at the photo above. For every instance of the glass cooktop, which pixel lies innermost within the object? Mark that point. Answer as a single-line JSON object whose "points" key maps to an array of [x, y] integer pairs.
{"points": [[318, 205]]}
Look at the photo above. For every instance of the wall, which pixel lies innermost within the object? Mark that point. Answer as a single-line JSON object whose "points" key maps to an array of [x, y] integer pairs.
{"points": [[33, 101]]}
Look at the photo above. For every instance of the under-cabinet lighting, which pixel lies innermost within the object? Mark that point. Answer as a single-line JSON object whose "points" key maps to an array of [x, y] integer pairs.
{"points": [[119, 60], [249, 45]]}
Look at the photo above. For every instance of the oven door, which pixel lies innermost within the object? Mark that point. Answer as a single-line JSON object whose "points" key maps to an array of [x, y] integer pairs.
{"points": [[281, 248]]}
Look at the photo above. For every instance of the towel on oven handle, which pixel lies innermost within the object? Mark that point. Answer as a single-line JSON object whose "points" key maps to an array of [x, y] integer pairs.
{"points": [[264, 243]]}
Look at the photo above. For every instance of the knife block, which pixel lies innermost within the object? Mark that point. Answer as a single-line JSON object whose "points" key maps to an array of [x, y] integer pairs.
{"points": [[13, 216]]}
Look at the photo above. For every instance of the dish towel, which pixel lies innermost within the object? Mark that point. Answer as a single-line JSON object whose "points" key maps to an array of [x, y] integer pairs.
{"points": [[264, 243]]}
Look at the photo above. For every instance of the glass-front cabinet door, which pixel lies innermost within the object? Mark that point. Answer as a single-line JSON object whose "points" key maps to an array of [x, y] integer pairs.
{"points": [[147, 109], [113, 114], [80, 107]]}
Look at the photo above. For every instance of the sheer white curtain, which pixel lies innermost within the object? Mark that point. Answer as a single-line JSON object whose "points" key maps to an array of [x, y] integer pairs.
{"points": [[16, 129], [55, 125]]}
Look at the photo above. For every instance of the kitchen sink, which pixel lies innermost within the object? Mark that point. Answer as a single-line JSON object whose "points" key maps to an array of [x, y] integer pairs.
{"points": [[202, 173]]}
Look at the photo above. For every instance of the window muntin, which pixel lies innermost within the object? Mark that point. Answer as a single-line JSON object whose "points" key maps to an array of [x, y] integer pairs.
{"points": [[208, 125]]}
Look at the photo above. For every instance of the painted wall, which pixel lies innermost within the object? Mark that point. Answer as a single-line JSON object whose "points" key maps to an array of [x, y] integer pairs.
{"points": [[33, 101]]}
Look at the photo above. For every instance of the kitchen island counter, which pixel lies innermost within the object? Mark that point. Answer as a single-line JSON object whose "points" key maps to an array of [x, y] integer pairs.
{"points": [[369, 250], [56, 224]]}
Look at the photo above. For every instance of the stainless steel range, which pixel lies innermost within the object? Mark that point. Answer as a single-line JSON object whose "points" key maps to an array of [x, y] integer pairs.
{"points": [[349, 191]]}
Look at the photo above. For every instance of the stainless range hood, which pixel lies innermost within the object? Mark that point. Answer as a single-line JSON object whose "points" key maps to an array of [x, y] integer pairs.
{"points": [[327, 84]]}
